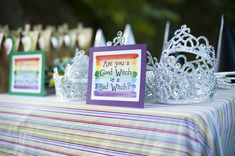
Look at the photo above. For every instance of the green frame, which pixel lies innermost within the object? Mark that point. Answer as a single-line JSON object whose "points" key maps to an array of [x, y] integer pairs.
{"points": [[42, 75]]}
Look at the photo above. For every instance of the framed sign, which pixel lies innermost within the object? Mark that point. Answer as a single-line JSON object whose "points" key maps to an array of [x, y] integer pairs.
{"points": [[27, 71], [117, 75]]}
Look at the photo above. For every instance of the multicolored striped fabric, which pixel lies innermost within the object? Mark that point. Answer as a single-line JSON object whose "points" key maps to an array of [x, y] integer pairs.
{"points": [[46, 126]]}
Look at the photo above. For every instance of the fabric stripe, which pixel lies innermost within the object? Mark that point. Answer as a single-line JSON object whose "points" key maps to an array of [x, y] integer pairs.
{"points": [[46, 126]]}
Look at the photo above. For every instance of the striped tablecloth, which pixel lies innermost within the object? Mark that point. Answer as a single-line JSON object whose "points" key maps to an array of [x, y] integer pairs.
{"points": [[46, 126]]}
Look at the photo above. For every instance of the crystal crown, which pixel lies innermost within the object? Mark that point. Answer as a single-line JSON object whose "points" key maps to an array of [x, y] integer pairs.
{"points": [[73, 85], [185, 72]]}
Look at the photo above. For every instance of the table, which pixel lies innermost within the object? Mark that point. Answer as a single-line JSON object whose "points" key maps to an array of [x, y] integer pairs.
{"points": [[46, 126]]}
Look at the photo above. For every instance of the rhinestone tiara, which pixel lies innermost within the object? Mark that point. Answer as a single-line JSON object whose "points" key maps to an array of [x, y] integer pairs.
{"points": [[185, 72], [73, 85]]}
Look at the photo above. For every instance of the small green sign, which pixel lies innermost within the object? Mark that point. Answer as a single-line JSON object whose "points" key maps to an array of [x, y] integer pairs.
{"points": [[27, 72]]}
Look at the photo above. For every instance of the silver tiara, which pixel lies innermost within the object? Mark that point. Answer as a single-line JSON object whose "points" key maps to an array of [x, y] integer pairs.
{"points": [[73, 85], [185, 72]]}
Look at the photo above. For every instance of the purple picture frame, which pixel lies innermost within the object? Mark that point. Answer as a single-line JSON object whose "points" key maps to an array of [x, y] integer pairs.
{"points": [[135, 104]]}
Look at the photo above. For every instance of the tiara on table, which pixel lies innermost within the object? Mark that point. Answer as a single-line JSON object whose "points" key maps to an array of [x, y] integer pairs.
{"points": [[73, 85], [185, 72]]}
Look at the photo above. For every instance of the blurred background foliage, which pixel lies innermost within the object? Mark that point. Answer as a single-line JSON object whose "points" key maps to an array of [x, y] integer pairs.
{"points": [[147, 17]]}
